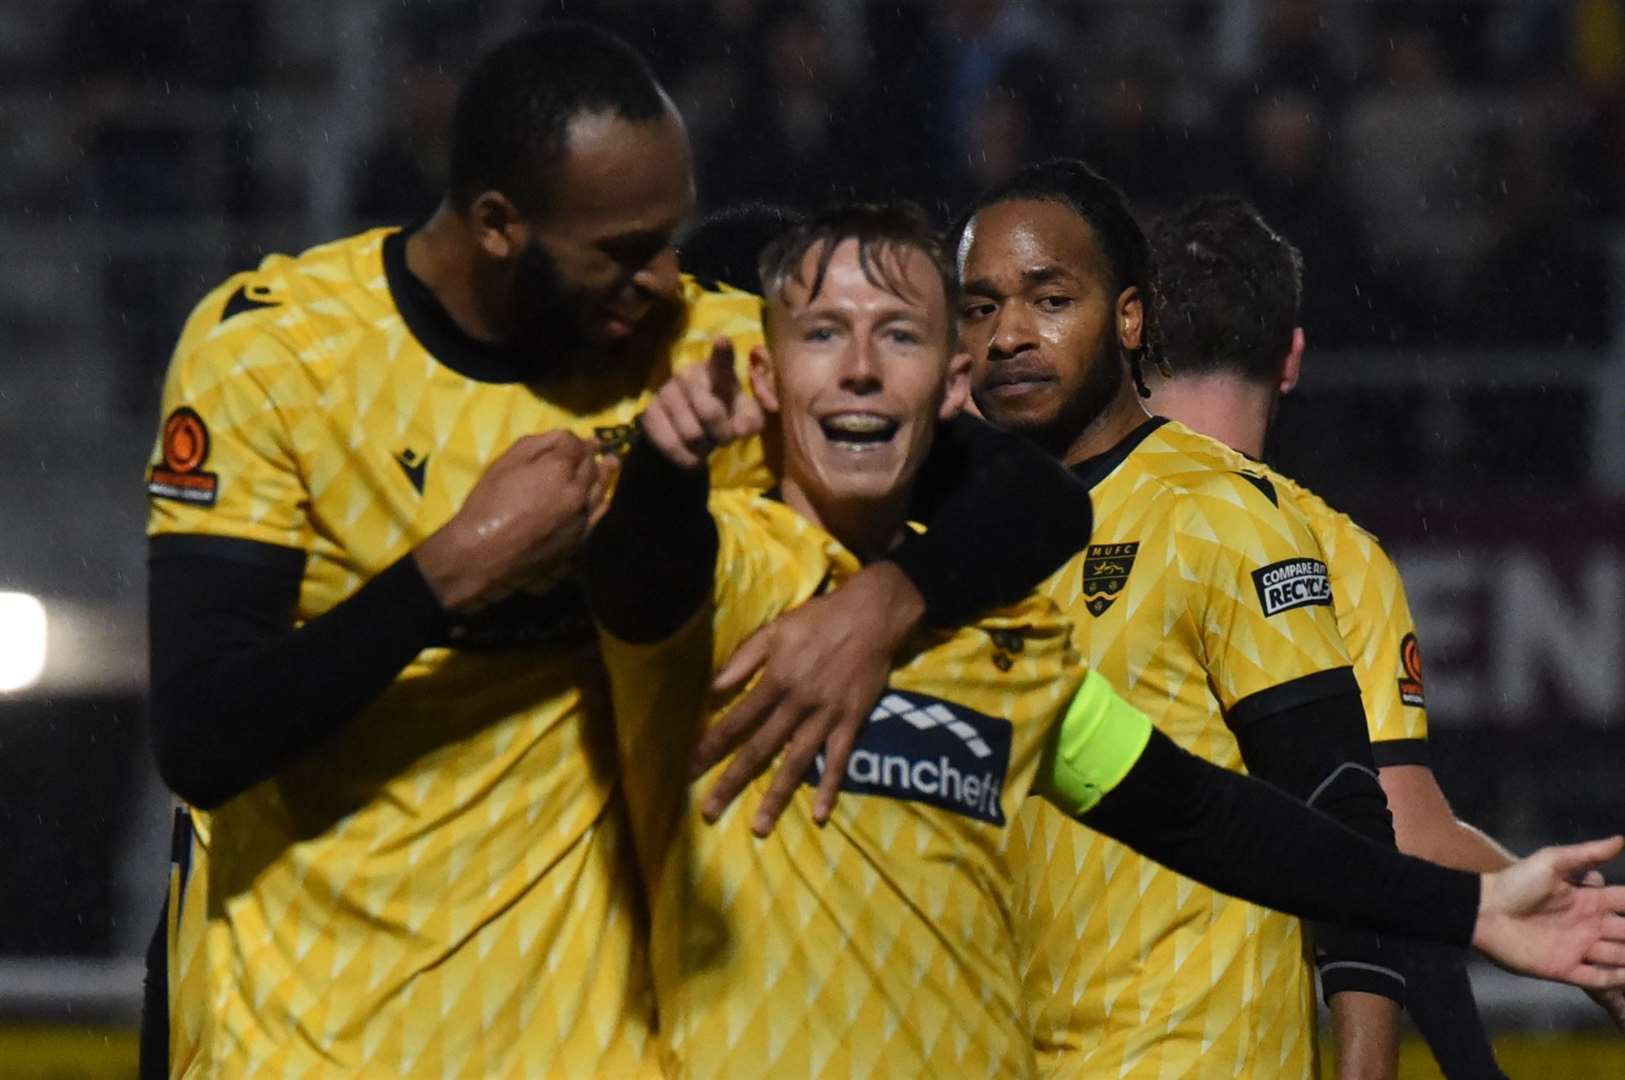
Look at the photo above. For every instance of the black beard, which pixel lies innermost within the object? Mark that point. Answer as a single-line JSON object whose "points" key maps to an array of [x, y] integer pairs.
{"points": [[544, 313], [1101, 385]]}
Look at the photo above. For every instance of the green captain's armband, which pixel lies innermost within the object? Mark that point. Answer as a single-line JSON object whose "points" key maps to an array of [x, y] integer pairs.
{"points": [[1096, 744]]}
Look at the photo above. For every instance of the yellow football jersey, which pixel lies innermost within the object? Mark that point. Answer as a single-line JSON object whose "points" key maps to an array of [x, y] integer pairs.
{"points": [[1375, 619], [446, 888], [1199, 600], [880, 944]]}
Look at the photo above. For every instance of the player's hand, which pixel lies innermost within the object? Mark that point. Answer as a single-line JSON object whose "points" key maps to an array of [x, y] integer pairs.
{"points": [[526, 516], [701, 408], [1533, 919], [826, 664]]}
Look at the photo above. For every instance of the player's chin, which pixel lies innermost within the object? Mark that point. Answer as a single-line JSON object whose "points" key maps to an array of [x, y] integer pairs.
{"points": [[1024, 407], [861, 474]]}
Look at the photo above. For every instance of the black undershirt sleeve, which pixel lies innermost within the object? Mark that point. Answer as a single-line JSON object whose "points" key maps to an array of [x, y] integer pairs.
{"points": [[1308, 738], [1250, 840], [1439, 997], [1000, 517], [651, 560], [236, 692]]}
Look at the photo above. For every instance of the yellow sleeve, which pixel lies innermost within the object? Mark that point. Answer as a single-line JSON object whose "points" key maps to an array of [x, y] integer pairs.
{"points": [[1375, 619], [1261, 595], [224, 461], [1095, 745]]}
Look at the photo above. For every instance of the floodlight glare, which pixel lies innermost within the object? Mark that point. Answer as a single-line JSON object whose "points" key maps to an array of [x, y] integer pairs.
{"points": [[22, 641]]}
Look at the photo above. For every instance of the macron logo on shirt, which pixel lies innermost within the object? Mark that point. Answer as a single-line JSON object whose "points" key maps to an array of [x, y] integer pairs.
{"points": [[926, 750]]}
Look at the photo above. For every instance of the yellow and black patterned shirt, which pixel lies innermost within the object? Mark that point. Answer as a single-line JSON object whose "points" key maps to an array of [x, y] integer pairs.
{"points": [[1204, 604], [880, 944], [1375, 620], [445, 888]]}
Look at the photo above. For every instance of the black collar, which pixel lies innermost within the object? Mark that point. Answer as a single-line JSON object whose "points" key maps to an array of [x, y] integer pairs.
{"points": [[439, 333], [1093, 470]]}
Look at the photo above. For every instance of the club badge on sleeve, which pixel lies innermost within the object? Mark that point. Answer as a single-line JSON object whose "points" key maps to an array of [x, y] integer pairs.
{"points": [[1410, 687], [185, 449]]}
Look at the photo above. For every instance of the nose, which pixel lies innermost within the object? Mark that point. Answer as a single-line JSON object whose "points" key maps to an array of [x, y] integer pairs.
{"points": [[658, 276], [860, 371], [1013, 332]]}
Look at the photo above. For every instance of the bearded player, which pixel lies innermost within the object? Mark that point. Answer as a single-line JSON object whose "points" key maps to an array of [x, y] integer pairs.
{"points": [[1205, 600], [880, 944]]}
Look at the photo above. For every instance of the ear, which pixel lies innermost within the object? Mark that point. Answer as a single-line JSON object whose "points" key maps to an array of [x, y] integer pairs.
{"points": [[497, 225], [1130, 318], [1293, 364], [764, 382], [956, 394]]}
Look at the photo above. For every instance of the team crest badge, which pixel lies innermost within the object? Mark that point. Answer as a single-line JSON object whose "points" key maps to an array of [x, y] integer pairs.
{"points": [[1105, 572]]}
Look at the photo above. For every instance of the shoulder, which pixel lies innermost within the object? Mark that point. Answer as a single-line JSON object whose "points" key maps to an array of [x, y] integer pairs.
{"points": [[281, 308], [712, 311], [1345, 541], [1176, 464]]}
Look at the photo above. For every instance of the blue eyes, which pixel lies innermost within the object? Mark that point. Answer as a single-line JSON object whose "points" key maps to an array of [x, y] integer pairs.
{"points": [[823, 334]]}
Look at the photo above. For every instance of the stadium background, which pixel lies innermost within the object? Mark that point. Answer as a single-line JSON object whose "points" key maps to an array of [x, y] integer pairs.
{"points": [[1454, 171]]}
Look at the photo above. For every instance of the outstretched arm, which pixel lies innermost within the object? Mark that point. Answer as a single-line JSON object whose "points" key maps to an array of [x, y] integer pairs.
{"points": [[1245, 838]]}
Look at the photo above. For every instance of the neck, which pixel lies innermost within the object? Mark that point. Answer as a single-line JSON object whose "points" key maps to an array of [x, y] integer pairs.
{"points": [[867, 529], [1112, 426], [442, 255], [1224, 406]]}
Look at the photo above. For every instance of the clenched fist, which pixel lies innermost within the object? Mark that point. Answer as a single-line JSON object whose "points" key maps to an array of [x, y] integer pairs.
{"points": [[527, 515]]}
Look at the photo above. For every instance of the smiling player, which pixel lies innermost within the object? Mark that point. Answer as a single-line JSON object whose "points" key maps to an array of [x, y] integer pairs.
{"points": [[881, 943]]}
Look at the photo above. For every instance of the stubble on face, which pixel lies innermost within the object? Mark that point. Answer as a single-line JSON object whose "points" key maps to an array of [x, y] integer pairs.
{"points": [[1039, 319]]}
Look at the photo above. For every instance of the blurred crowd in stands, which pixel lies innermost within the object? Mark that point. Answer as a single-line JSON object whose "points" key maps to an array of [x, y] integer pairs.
{"points": [[1450, 168]]}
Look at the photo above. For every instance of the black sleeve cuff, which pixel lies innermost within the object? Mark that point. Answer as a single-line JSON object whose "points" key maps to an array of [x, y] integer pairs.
{"points": [[284, 560], [1292, 695], [1401, 752], [1338, 976]]}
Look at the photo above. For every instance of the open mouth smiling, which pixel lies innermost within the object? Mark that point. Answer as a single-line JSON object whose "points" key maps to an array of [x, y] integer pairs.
{"points": [[859, 432]]}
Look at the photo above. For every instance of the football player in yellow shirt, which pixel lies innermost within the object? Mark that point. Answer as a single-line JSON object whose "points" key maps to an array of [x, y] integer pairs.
{"points": [[1226, 301], [373, 678], [1207, 603], [881, 943]]}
